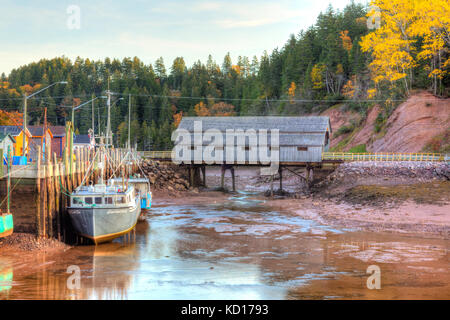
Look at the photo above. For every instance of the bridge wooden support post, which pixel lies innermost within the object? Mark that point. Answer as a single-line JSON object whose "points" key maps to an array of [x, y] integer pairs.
{"points": [[233, 179], [204, 175], [309, 171], [280, 172], [222, 176], [191, 176], [271, 186]]}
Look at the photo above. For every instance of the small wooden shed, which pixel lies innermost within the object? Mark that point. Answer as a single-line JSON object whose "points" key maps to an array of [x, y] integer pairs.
{"points": [[59, 139], [39, 137], [7, 141], [17, 133]]}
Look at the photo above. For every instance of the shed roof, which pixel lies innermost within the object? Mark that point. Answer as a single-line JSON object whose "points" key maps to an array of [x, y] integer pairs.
{"points": [[58, 131], [82, 139], [283, 124], [38, 131], [3, 136], [12, 130]]}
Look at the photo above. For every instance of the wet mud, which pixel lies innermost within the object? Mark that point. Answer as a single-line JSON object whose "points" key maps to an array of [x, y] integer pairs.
{"points": [[233, 247]]}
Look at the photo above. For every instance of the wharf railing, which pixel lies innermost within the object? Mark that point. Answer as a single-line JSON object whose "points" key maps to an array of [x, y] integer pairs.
{"points": [[349, 156], [338, 156]]}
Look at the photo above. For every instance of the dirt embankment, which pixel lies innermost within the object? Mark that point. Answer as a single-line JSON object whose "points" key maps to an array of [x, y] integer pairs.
{"points": [[413, 124], [416, 123]]}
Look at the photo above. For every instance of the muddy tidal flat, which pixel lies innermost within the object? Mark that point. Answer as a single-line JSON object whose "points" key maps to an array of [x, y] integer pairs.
{"points": [[211, 245]]}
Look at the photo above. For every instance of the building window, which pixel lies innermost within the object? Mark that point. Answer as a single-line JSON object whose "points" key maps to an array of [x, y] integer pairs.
{"points": [[88, 200], [108, 200], [98, 200], [302, 148]]}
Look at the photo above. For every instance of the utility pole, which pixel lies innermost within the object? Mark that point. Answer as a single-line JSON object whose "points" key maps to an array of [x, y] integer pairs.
{"points": [[44, 134], [93, 122], [108, 122], [73, 116], [98, 121], [129, 121], [24, 142], [9, 178]]}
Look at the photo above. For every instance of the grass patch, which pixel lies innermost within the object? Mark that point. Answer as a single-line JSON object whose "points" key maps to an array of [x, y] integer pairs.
{"points": [[439, 143], [427, 193], [358, 149]]}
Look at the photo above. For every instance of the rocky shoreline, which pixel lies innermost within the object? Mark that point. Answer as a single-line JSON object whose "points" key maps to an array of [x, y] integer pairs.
{"points": [[423, 171], [29, 242], [165, 176]]}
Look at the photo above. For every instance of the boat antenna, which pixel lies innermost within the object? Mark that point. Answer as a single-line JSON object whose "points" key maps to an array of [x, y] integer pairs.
{"points": [[129, 120]]}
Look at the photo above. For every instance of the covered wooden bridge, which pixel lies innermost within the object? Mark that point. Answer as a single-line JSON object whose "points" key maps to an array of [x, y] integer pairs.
{"points": [[238, 141]]}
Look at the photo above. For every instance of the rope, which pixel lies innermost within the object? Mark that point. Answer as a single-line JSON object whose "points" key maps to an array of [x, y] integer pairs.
{"points": [[62, 187], [89, 168], [10, 191]]}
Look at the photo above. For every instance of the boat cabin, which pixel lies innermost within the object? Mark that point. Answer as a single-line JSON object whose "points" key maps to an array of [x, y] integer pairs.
{"points": [[142, 187], [102, 196]]}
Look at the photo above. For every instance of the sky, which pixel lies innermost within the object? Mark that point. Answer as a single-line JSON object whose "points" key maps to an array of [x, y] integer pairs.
{"points": [[31, 30]]}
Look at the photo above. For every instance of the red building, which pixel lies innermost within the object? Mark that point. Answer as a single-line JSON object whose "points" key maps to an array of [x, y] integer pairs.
{"points": [[59, 140]]}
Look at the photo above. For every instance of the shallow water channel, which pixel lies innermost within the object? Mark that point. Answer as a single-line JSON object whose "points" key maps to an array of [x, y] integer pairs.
{"points": [[237, 249]]}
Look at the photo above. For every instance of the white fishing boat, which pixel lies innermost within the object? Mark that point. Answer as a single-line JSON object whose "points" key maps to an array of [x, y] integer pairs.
{"points": [[104, 212]]}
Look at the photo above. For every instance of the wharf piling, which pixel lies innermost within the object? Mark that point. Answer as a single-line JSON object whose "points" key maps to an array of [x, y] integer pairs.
{"points": [[49, 181]]}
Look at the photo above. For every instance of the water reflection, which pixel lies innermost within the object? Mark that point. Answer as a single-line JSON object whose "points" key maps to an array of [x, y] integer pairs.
{"points": [[6, 277], [237, 250]]}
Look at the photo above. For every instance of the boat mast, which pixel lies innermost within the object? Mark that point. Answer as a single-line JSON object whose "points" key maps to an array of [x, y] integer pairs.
{"points": [[102, 165], [108, 123], [129, 120]]}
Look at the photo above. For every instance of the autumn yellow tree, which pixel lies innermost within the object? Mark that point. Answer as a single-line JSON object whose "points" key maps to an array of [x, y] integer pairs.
{"points": [[317, 76], [348, 90], [201, 110], [177, 118], [346, 40], [391, 43], [291, 92], [28, 89], [222, 109], [12, 118], [433, 25], [395, 47]]}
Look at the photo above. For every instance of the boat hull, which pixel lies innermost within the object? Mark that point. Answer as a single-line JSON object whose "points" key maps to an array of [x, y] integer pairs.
{"points": [[104, 224]]}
